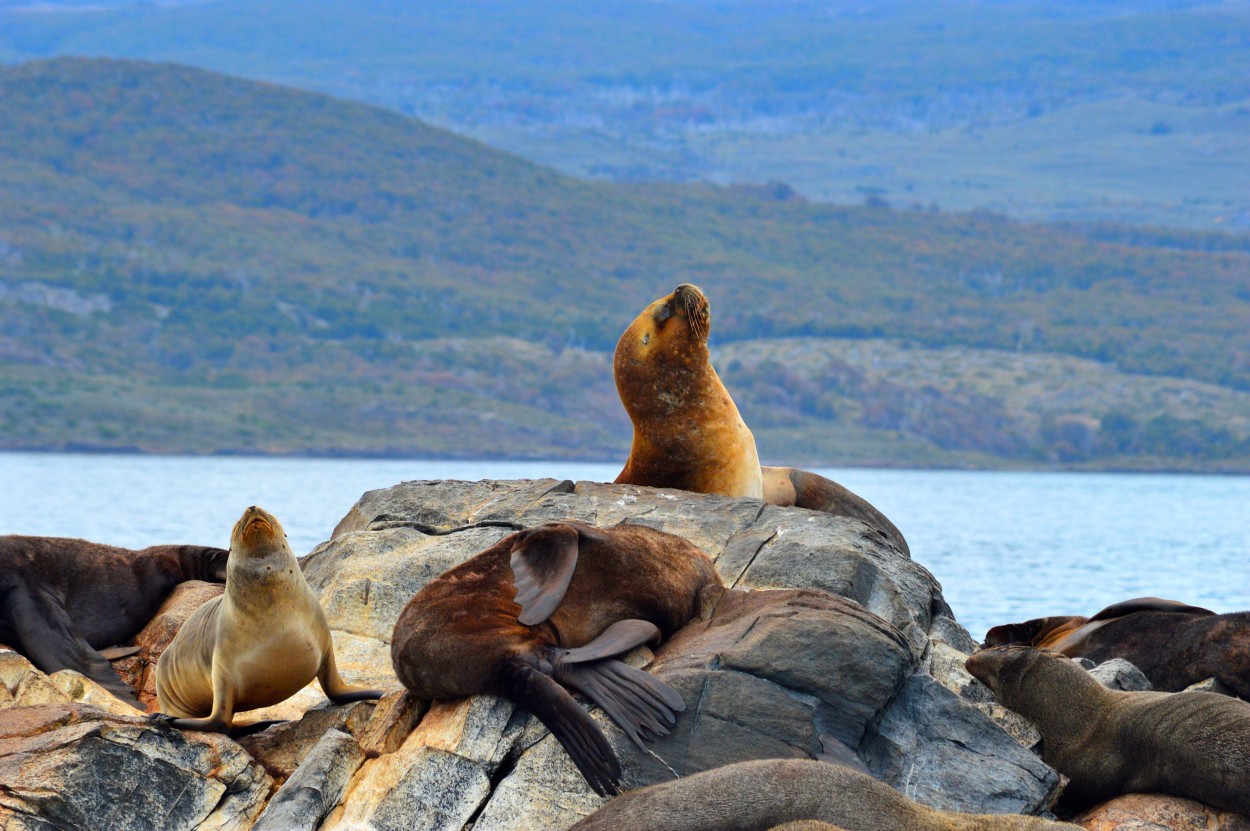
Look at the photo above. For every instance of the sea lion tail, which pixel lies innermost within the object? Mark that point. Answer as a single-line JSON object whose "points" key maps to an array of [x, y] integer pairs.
{"points": [[570, 724]]}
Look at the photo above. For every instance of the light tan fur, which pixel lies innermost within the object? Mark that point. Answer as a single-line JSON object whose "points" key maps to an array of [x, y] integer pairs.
{"points": [[760, 795], [257, 644]]}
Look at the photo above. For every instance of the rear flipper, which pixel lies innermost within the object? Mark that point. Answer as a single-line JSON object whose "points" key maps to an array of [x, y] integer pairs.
{"points": [[49, 638], [576, 731], [637, 701]]}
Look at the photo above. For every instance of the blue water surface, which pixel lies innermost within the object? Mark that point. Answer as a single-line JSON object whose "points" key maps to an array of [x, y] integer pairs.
{"points": [[1005, 546]]}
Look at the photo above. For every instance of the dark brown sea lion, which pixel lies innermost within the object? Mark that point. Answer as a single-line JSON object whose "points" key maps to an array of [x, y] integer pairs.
{"points": [[64, 600], [688, 433], [582, 596], [1174, 644], [1108, 742], [259, 643], [760, 795]]}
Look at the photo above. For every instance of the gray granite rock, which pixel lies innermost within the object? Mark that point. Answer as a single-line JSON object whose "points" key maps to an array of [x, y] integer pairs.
{"points": [[938, 750], [1119, 674], [316, 786], [73, 766]]}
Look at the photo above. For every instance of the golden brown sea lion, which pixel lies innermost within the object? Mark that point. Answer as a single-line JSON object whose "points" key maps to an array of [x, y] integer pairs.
{"points": [[582, 596], [257, 644], [1174, 644], [66, 599], [1108, 742], [759, 795], [688, 433]]}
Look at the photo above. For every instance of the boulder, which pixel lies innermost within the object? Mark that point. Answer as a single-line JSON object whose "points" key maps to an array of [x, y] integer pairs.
{"points": [[315, 787], [830, 642], [1155, 812], [76, 766], [1119, 674]]}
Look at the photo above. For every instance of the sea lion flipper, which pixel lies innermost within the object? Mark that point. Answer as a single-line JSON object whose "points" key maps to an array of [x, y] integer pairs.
{"points": [[617, 639], [52, 642], [1148, 604], [543, 560], [637, 701], [116, 653], [570, 724]]}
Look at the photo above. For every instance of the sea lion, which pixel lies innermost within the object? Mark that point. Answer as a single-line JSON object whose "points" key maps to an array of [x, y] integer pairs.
{"points": [[1174, 644], [1109, 742], [582, 596], [688, 433], [759, 795], [65, 600], [257, 644]]}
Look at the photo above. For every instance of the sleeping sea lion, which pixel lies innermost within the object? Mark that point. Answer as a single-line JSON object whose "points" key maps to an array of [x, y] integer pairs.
{"points": [[1109, 742], [1174, 644], [257, 644], [582, 596], [688, 433], [67, 599], [763, 794]]}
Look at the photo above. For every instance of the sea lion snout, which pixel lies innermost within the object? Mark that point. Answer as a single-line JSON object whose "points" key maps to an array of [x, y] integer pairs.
{"points": [[693, 305], [987, 665], [257, 527]]}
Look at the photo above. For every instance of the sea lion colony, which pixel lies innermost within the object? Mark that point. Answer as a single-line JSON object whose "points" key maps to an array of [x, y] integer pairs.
{"points": [[550, 609]]}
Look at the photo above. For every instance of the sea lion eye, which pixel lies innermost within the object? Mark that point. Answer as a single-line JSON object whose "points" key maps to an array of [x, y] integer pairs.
{"points": [[666, 313]]}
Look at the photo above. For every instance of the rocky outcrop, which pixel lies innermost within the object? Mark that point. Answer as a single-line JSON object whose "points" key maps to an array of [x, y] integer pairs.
{"points": [[75, 766], [828, 642]]}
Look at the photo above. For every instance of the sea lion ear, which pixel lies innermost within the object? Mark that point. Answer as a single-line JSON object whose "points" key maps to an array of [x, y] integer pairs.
{"points": [[543, 560]]}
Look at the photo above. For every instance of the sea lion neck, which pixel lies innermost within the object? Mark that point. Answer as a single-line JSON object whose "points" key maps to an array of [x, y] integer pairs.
{"points": [[1054, 693]]}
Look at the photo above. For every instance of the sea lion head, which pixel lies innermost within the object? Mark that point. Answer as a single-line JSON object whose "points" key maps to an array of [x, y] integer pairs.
{"points": [[661, 359], [1002, 668], [256, 534], [676, 321]]}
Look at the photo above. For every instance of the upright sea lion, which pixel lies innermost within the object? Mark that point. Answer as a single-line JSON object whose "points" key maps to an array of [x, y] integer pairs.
{"points": [[1108, 742], [66, 599], [763, 794], [257, 644], [582, 596], [688, 433], [1174, 644]]}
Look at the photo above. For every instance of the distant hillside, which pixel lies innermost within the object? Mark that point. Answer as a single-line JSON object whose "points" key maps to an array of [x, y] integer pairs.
{"points": [[1111, 111], [272, 265]]}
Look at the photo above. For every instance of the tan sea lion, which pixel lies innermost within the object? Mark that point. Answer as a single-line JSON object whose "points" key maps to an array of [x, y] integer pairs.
{"points": [[67, 600], [759, 795], [582, 596], [1174, 644], [257, 644], [1109, 742], [688, 433]]}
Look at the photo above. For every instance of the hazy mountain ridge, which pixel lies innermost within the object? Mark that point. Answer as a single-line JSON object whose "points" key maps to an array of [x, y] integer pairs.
{"points": [[268, 257], [1036, 110]]}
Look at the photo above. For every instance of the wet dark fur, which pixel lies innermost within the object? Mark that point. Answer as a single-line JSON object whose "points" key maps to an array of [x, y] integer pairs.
{"points": [[460, 635], [1190, 744], [64, 599], [1174, 647]]}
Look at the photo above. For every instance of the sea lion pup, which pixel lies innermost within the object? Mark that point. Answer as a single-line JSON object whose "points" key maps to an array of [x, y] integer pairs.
{"points": [[1108, 742], [67, 599], [688, 433], [759, 795], [1174, 644], [582, 596], [257, 644]]}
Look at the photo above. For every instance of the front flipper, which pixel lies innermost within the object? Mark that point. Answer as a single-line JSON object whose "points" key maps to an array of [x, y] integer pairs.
{"points": [[338, 690], [543, 560], [570, 724], [49, 638], [637, 701]]}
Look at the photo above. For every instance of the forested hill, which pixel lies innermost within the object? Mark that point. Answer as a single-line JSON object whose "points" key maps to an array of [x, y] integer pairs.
{"points": [[172, 225]]}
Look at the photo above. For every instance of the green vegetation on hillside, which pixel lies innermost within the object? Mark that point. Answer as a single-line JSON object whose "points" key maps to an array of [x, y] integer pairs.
{"points": [[1113, 110], [222, 239]]}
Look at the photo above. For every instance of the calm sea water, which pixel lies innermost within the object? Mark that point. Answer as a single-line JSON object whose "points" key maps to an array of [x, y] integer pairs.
{"points": [[1005, 546]]}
